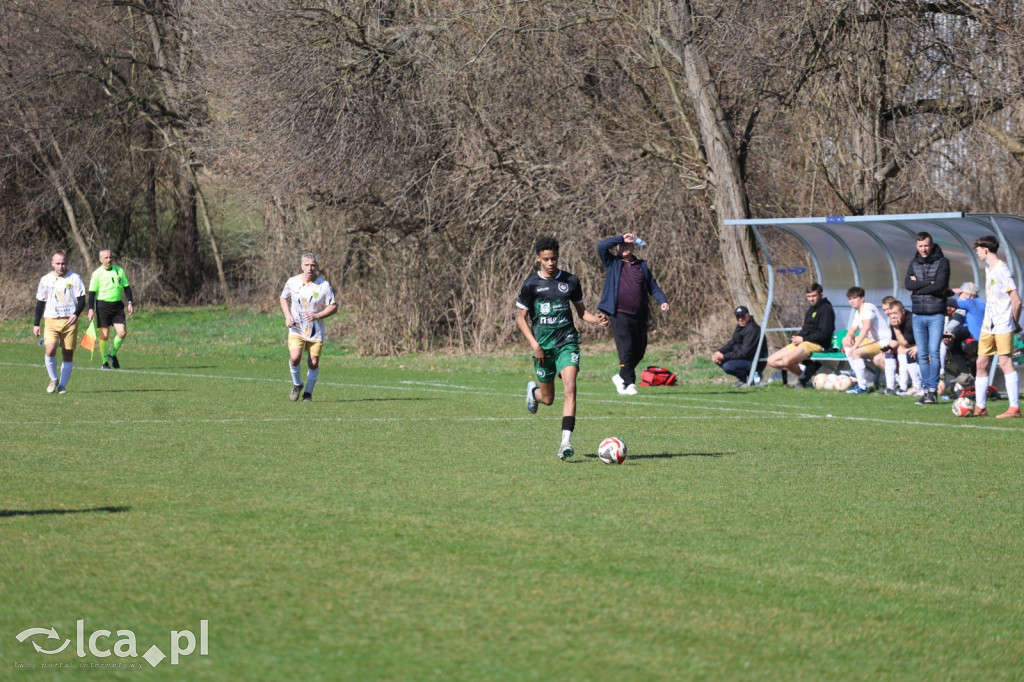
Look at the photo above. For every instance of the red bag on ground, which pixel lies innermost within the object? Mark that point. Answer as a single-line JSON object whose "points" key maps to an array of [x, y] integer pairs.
{"points": [[657, 376]]}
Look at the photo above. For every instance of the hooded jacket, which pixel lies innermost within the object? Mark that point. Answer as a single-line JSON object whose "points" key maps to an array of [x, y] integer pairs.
{"points": [[819, 324], [929, 290]]}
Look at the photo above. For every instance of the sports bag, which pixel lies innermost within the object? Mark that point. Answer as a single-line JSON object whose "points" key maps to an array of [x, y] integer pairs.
{"points": [[657, 376]]}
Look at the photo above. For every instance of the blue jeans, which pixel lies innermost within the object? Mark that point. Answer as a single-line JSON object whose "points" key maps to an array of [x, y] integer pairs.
{"points": [[928, 336]]}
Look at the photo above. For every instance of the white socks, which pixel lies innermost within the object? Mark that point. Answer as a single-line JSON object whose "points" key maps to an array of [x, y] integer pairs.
{"points": [[311, 377], [859, 368], [1012, 389], [51, 366], [295, 369], [980, 391], [890, 373], [65, 373]]}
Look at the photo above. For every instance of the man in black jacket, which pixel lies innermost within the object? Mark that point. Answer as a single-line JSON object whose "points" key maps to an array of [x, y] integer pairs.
{"points": [[736, 356], [814, 337], [927, 281]]}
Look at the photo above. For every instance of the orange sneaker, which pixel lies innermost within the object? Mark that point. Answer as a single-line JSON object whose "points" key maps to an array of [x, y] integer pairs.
{"points": [[1012, 412], [980, 411]]}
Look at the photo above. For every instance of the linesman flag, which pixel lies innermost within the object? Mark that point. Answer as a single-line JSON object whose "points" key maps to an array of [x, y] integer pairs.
{"points": [[89, 340]]}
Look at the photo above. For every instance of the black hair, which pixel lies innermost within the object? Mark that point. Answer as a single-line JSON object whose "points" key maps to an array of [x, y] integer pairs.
{"points": [[546, 244], [814, 288], [854, 291]]}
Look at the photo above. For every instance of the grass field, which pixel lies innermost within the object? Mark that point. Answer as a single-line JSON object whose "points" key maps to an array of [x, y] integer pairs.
{"points": [[413, 522]]}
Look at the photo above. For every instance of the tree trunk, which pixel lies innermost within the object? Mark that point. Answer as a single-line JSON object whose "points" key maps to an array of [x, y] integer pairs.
{"points": [[189, 269], [744, 280], [213, 240]]}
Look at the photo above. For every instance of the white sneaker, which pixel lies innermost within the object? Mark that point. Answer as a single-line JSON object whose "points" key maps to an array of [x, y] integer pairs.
{"points": [[531, 399], [619, 385], [52, 388], [630, 390]]}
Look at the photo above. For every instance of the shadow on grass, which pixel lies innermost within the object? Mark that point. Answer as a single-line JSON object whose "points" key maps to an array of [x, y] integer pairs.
{"points": [[58, 512], [136, 390], [671, 455], [373, 400]]}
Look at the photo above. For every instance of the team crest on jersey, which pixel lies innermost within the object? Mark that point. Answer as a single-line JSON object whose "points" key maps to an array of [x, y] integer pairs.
{"points": [[545, 308], [563, 287]]}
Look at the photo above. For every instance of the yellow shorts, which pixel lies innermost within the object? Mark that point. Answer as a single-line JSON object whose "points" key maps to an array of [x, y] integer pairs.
{"points": [[300, 344], [870, 349], [806, 346], [995, 344], [59, 330]]}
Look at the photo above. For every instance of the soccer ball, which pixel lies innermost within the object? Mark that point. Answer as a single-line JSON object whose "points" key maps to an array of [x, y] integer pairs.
{"points": [[963, 407], [612, 451], [830, 382], [819, 381], [842, 382]]}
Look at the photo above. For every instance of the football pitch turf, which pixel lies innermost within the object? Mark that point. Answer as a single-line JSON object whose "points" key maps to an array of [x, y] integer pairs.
{"points": [[414, 523]]}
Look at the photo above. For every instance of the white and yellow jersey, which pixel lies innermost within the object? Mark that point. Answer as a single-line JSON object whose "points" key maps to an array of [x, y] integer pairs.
{"points": [[60, 293], [310, 297], [868, 312], [998, 285]]}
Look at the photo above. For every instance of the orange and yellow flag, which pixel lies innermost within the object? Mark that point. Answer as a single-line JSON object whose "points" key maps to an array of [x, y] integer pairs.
{"points": [[89, 340]]}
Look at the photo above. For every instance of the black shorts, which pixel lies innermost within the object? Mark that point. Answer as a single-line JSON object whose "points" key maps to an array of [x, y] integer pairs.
{"points": [[108, 313]]}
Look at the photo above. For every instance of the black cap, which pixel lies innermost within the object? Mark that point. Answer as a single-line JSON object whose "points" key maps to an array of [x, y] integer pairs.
{"points": [[741, 311]]}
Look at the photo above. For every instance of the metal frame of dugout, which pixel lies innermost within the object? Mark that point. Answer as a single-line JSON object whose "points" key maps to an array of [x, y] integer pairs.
{"points": [[873, 252]]}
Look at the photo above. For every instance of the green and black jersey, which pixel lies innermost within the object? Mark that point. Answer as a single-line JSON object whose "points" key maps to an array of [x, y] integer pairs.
{"points": [[549, 304]]}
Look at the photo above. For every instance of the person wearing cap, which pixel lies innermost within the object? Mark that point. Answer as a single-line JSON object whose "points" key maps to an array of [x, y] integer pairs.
{"points": [[738, 354], [927, 281], [628, 284], [813, 337], [960, 337]]}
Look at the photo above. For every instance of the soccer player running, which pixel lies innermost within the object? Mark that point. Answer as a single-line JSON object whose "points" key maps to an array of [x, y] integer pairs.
{"points": [[545, 305], [60, 299], [306, 301], [107, 287], [1002, 312]]}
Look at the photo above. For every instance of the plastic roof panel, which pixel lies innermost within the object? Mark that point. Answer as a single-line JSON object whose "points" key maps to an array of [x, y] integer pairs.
{"points": [[873, 251]]}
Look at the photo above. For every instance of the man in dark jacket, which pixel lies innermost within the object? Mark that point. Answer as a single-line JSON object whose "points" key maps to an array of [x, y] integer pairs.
{"points": [[736, 356], [628, 283], [927, 281], [814, 337]]}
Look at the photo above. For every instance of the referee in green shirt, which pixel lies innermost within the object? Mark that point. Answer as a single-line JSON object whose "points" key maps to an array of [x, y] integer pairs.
{"points": [[109, 284]]}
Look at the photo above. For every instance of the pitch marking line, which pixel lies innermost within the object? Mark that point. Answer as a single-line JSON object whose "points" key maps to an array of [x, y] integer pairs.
{"points": [[773, 410]]}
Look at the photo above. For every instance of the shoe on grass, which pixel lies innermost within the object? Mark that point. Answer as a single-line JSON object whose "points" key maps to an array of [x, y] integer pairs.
{"points": [[620, 385], [857, 390], [531, 399], [1011, 412], [565, 451], [980, 411], [52, 388], [307, 397], [630, 390], [296, 392], [114, 363]]}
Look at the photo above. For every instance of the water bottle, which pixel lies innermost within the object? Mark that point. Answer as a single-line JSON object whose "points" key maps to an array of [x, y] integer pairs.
{"points": [[639, 242]]}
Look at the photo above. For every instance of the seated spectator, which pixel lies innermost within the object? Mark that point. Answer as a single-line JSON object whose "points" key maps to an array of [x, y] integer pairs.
{"points": [[861, 342], [962, 331], [738, 354], [901, 351], [814, 336]]}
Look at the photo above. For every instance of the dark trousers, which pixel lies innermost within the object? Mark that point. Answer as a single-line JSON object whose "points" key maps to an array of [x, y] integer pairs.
{"points": [[741, 368], [630, 333]]}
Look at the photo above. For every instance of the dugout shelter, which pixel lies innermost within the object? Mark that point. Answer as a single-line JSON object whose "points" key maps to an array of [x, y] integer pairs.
{"points": [[873, 252]]}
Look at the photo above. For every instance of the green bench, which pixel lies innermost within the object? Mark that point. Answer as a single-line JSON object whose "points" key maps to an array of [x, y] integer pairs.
{"points": [[835, 353]]}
